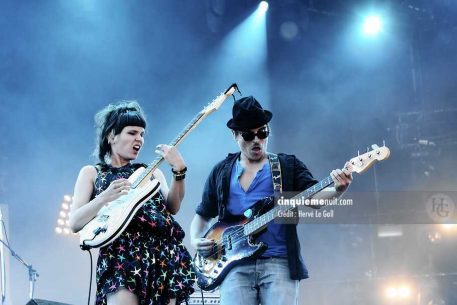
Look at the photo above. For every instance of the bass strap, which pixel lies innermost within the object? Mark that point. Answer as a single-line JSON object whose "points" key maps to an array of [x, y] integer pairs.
{"points": [[275, 167]]}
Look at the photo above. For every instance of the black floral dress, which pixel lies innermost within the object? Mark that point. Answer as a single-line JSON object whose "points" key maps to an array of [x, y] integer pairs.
{"points": [[148, 258]]}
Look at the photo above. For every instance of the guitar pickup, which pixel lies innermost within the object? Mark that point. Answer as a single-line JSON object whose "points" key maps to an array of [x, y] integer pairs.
{"points": [[103, 217], [99, 230], [229, 242]]}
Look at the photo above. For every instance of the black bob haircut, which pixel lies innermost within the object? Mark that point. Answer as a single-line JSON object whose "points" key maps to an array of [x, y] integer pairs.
{"points": [[112, 119]]}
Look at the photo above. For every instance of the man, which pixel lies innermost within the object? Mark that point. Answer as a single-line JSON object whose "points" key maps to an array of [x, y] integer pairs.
{"points": [[233, 186]]}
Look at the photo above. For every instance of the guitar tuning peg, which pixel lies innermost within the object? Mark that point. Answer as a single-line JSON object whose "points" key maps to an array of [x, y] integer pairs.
{"points": [[374, 146], [358, 153], [368, 149], [383, 143]]}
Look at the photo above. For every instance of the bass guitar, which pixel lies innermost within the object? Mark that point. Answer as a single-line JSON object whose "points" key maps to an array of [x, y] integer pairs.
{"points": [[112, 219], [235, 242]]}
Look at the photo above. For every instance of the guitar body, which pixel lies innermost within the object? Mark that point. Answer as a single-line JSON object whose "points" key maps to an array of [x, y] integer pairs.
{"points": [[234, 246], [113, 218], [237, 248]]}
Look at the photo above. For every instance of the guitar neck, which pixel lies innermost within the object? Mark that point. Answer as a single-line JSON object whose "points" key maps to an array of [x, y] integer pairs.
{"points": [[259, 223], [357, 164], [153, 166], [213, 106]]}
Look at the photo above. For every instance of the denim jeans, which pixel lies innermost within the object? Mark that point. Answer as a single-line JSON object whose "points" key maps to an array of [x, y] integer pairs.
{"points": [[261, 281]]}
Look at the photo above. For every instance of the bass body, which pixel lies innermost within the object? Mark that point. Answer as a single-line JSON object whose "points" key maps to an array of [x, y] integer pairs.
{"points": [[233, 245]]}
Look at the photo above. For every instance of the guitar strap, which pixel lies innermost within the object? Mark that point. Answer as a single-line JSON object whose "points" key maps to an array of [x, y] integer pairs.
{"points": [[275, 172]]}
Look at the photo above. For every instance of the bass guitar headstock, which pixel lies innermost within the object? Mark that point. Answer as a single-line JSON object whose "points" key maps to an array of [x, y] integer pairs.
{"points": [[363, 162]]}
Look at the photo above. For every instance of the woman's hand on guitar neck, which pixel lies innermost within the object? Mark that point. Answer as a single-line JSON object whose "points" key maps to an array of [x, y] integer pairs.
{"points": [[172, 156]]}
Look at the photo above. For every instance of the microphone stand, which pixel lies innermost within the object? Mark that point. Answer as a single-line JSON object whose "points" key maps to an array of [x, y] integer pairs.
{"points": [[33, 274], [2, 265]]}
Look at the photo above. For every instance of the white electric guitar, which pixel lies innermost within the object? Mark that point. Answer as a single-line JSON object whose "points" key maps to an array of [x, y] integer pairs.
{"points": [[112, 219]]}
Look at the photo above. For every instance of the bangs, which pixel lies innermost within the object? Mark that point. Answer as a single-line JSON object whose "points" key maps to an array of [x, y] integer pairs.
{"points": [[130, 118]]}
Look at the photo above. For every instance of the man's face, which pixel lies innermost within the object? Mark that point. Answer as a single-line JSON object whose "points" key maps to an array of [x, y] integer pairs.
{"points": [[252, 147]]}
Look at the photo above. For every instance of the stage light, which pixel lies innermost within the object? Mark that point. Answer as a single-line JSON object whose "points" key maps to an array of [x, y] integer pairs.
{"points": [[235, 57], [63, 222], [435, 237], [263, 6], [372, 25], [391, 292], [398, 292], [449, 226], [441, 232], [390, 231], [404, 292]]}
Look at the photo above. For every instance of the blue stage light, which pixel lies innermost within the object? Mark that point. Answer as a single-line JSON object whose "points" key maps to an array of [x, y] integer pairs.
{"points": [[372, 25], [263, 6]]}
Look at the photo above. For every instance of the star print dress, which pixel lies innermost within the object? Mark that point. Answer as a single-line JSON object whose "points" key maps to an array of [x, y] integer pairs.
{"points": [[148, 258]]}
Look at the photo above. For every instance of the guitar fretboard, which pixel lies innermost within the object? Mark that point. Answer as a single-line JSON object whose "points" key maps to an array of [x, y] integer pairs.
{"points": [[263, 220], [152, 166]]}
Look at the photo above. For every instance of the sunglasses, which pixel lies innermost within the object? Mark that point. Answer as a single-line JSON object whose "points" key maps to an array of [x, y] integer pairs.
{"points": [[250, 135]]}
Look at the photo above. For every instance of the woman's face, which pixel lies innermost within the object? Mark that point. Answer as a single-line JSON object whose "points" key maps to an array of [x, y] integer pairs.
{"points": [[127, 144]]}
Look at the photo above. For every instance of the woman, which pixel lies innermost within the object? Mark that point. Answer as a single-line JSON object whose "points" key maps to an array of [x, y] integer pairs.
{"points": [[147, 264]]}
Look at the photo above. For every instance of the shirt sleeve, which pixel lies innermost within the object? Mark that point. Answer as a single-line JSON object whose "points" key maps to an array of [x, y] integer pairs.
{"points": [[303, 178], [208, 207]]}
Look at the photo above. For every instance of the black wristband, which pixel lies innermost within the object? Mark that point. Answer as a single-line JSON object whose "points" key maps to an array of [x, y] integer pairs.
{"points": [[179, 177], [181, 172]]}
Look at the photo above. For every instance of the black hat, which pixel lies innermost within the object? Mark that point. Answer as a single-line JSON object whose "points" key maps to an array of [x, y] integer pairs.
{"points": [[248, 114]]}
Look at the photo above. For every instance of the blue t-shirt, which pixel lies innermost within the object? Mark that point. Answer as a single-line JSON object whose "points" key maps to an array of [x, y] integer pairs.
{"points": [[239, 201]]}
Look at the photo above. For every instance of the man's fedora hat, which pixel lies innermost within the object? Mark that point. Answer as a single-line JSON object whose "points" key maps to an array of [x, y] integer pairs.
{"points": [[248, 114]]}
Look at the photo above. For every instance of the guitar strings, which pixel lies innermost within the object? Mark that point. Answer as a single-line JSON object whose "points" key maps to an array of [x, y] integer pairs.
{"points": [[234, 237]]}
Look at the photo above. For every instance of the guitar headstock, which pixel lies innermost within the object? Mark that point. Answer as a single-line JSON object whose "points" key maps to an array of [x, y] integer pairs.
{"points": [[363, 162], [217, 102]]}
